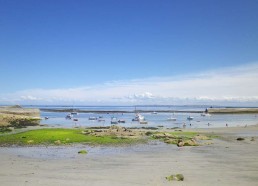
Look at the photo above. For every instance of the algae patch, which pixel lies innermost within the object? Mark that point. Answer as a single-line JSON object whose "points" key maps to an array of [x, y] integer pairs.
{"points": [[177, 177], [82, 152]]}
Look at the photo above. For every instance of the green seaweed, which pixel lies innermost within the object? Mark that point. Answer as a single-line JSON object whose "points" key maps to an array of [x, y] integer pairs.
{"points": [[61, 136]]}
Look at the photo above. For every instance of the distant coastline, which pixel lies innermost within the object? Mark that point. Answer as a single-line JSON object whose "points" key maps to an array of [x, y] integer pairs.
{"points": [[210, 110]]}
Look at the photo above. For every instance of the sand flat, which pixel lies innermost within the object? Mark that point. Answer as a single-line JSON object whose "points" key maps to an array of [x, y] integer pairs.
{"points": [[225, 162]]}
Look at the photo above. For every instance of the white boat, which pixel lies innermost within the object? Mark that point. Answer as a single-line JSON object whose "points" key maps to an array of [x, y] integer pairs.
{"points": [[93, 118], [205, 114], [101, 119], [154, 112], [171, 118], [114, 120], [190, 118], [69, 116], [138, 117]]}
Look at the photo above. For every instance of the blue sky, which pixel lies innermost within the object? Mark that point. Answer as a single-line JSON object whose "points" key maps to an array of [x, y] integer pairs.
{"points": [[49, 48]]}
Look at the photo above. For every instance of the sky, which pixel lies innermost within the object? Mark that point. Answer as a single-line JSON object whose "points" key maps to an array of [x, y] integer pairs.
{"points": [[113, 52]]}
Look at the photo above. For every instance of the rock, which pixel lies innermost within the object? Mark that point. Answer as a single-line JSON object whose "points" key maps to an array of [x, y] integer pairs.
{"points": [[158, 136], [30, 141], [208, 143], [58, 142], [201, 137], [177, 177], [97, 130], [180, 143], [148, 133], [82, 152], [240, 139], [171, 141], [252, 139], [191, 142], [168, 135]]}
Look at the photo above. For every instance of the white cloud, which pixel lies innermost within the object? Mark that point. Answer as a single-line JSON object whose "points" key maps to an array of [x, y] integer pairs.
{"points": [[28, 97], [238, 84]]}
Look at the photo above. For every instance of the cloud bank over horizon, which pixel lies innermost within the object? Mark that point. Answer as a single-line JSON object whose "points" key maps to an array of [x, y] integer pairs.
{"points": [[228, 86]]}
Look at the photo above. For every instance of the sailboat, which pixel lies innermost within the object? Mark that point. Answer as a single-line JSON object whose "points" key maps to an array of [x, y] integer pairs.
{"points": [[172, 118]]}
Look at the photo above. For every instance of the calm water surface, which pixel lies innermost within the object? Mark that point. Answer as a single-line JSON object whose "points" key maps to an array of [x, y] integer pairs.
{"points": [[154, 120]]}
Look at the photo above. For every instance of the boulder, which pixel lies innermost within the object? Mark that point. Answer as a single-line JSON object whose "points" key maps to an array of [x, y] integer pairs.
{"points": [[190, 142], [180, 143], [240, 139]]}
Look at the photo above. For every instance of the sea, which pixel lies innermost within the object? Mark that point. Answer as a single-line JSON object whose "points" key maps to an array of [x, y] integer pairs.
{"points": [[155, 115]]}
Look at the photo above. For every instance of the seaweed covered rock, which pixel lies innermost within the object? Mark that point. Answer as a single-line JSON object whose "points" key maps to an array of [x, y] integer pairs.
{"points": [[177, 177], [171, 141], [190, 142], [82, 152]]}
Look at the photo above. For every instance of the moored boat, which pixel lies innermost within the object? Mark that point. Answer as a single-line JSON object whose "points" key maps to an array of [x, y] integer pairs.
{"points": [[190, 118]]}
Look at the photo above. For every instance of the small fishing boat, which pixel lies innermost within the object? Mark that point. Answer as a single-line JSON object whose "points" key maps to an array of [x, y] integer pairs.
{"points": [[138, 117], [143, 122], [205, 114], [154, 112], [46, 118], [190, 118], [75, 119], [69, 116], [93, 118], [171, 118], [101, 119], [114, 120], [121, 121]]}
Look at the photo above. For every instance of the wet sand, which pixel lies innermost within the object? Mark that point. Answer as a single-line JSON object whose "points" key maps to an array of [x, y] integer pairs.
{"points": [[224, 162]]}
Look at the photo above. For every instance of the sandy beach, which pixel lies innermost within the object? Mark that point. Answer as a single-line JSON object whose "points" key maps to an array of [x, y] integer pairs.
{"points": [[224, 161]]}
